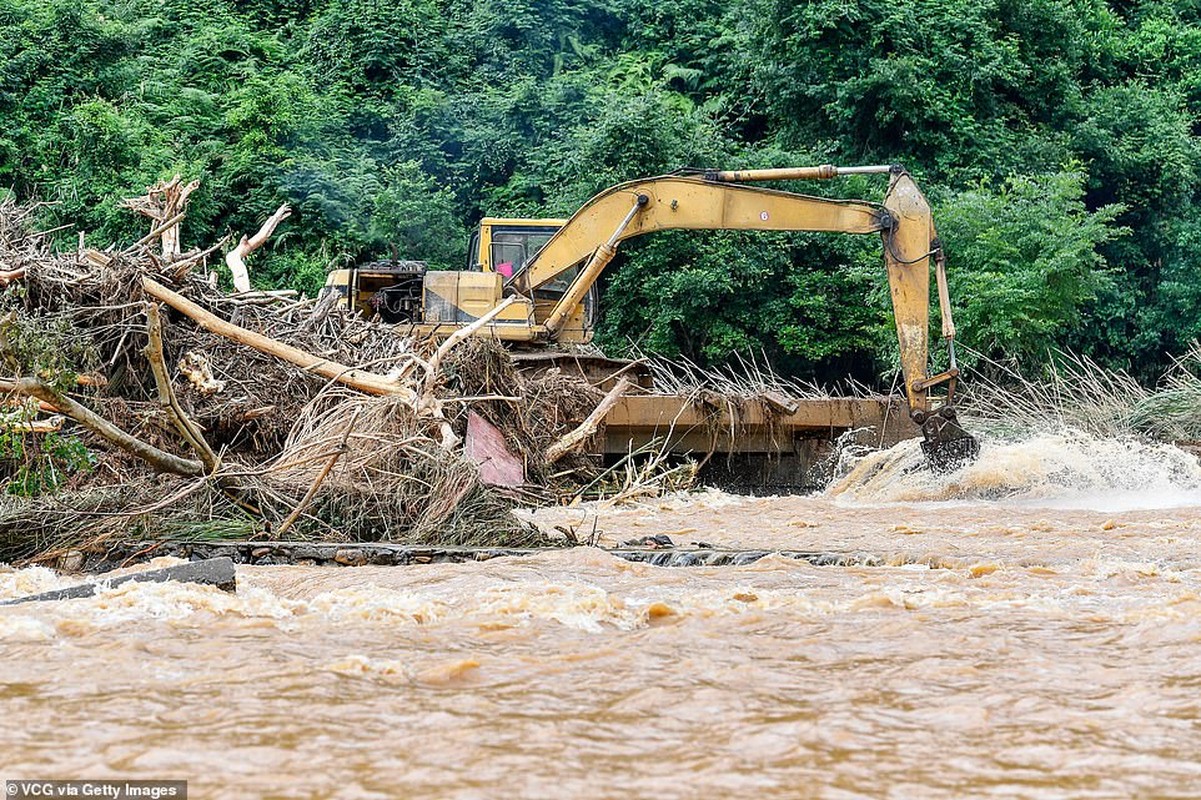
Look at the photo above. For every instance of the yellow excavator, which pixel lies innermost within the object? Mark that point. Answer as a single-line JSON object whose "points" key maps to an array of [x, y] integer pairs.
{"points": [[533, 281]]}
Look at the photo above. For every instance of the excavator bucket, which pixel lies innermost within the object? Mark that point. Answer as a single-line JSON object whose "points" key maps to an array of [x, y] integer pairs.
{"points": [[947, 445]]}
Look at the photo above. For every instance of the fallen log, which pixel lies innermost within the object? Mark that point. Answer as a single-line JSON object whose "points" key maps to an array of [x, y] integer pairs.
{"points": [[219, 572], [159, 459], [364, 381]]}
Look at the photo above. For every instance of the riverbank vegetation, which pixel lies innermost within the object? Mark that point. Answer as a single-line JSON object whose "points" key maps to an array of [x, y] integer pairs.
{"points": [[1057, 138]]}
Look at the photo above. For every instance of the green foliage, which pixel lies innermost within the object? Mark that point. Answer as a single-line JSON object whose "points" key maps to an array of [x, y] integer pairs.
{"points": [[754, 293], [41, 347], [1027, 262], [35, 464], [417, 217], [399, 124]]}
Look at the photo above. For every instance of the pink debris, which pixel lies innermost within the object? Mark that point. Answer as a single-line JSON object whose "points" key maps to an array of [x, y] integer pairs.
{"points": [[486, 447]]}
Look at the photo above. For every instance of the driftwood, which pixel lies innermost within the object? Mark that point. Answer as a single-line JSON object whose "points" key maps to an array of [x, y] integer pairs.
{"points": [[160, 230], [444, 349], [188, 429], [42, 405], [159, 459], [575, 439], [779, 402], [424, 403], [236, 258], [364, 381], [180, 268]]}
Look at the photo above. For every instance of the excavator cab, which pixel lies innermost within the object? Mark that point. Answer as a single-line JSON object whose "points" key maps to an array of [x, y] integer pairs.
{"points": [[506, 244]]}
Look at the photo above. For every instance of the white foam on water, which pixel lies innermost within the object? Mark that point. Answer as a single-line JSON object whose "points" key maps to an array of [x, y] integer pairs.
{"points": [[33, 580], [1066, 470]]}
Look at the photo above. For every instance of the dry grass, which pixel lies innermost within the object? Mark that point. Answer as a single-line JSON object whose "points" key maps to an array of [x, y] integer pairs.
{"points": [[1078, 393], [1075, 393], [743, 377]]}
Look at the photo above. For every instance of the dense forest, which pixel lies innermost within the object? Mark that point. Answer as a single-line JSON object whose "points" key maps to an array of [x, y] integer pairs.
{"points": [[1058, 140]]}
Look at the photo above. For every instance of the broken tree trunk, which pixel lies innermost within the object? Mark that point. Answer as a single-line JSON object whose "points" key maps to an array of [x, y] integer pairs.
{"points": [[575, 439], [165, 203], [364, 381], [236, 258], [188, 429]]}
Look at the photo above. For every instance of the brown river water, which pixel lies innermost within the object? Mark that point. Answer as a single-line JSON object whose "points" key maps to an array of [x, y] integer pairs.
{"points": [[1036, 633]]}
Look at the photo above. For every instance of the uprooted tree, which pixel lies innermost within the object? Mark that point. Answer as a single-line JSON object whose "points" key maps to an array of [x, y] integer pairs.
{"points": [[253, 414]]}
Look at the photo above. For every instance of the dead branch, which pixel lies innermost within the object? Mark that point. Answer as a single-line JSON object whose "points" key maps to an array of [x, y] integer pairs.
{"points": [[324, 305], [165, 203], [181, 267], [158, 230], [51, 425], [188, 429], [159, 459], [364, 381], [13, 402], [236, 258], [575, 439]]}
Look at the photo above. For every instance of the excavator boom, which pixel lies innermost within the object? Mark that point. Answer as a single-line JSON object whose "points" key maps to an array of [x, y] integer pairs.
{"points": [[712, 200], [677, 202]]}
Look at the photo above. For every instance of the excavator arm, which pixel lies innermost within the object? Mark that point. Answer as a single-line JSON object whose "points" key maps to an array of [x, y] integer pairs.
{"points": [[719, 200]]}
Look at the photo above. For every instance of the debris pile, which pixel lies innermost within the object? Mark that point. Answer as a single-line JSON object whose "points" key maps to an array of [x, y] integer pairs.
{"points": [[177, 411]]}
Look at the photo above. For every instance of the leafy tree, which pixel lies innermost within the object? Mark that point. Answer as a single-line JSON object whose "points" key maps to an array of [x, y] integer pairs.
{"points": [[1024, 262], [401, 123]]}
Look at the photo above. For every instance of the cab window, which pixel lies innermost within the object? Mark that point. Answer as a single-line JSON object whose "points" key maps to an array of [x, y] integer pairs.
{"points": [[512, 248], [472, 249]]}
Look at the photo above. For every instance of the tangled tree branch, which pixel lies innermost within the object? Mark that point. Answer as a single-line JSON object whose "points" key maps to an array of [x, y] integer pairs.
{"points": [[159, 459]]}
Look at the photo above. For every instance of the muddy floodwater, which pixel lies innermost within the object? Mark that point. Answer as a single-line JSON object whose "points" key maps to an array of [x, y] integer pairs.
{"points": [[1035, 632]]}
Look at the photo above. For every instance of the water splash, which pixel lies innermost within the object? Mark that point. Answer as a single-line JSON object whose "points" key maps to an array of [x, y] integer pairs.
{"points": [[1068, 469]]}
